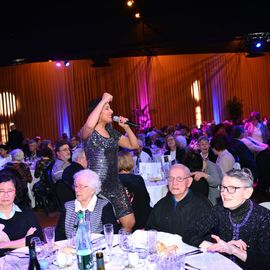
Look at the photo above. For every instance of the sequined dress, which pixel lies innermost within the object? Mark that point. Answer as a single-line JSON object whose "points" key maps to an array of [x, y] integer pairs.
{"points": [[102, 157]]}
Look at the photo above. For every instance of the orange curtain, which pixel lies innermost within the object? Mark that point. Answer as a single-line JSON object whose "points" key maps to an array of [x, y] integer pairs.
{"points": [[51, 100]]}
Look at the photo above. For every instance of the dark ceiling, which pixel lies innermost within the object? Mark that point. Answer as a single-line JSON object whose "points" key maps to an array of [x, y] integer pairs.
{"points": [[107, 28]]}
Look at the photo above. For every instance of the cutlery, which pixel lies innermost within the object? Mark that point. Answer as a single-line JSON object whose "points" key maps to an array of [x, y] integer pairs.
{"points": [[191, 266], [193, 252]]}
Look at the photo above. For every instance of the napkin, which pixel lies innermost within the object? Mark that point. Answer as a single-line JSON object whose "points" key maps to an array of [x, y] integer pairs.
{"points": [[139, 238]]}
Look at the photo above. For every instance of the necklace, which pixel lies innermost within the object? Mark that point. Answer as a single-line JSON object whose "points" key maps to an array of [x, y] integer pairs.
{"points": [[236, 227]]}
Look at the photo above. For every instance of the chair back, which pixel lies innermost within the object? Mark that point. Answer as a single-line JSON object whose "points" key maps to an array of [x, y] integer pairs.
{"points": [[265, 204]]}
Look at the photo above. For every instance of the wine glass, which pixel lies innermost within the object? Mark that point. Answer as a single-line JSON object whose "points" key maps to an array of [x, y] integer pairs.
{"points": [[49, 233], [108, 233], [124, 239]]}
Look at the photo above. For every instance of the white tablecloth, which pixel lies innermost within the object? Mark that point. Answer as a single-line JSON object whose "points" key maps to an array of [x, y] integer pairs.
{"points": [[204, 261], [156, 190]]}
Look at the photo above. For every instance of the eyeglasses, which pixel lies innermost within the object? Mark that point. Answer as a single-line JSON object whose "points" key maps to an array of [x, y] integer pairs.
{"points": [[178, 179], [79, 187], [8, 192], [65, 149], [230, 189]]}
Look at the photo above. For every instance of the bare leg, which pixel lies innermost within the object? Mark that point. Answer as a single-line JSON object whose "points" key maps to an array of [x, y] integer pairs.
{"points": [[127, 222]]}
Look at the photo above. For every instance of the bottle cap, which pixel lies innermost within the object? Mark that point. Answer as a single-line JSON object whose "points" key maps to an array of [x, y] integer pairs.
{"points": [[80, 215], [44, 264], [99, 255]]}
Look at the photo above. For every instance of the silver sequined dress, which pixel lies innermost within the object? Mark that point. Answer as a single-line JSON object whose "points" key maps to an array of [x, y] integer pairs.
{"points": [[102, 157]]}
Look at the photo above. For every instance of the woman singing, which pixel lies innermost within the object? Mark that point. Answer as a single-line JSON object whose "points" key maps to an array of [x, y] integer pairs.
{"points": [[101, 143]]}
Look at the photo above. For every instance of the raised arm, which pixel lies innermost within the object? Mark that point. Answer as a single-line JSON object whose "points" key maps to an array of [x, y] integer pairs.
{"points": [[93, 117], [130, 141]]}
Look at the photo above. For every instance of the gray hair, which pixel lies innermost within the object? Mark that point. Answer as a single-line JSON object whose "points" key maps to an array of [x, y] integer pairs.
{"points": [[92, 178], [203, 138], [17, 155], [77, 154], [244, 175], [182, 167]]}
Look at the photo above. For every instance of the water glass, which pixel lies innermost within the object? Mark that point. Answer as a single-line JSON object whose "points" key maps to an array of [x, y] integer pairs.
{"points": [[49, 233], [152, 245], [108, 233], [152, 241], [124, 240]]}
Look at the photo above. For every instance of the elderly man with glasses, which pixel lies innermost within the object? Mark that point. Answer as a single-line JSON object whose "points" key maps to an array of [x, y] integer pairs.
{"points": [[181, 207], [242, 228], [96, 208]]}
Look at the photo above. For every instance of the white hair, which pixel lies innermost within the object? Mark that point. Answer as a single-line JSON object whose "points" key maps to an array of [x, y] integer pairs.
{"points": [[17, 155], [92, 178], [77, 154]]}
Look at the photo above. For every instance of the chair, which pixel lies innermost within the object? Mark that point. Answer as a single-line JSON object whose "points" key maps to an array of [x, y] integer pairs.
{"points": [[265, 204], [263, 161], [63, 193]]}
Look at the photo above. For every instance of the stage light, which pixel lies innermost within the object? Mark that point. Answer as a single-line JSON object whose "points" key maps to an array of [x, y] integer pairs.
{"points": [[67, 63], [137, 15], [58, 64], [256, 43], [130, 3]]}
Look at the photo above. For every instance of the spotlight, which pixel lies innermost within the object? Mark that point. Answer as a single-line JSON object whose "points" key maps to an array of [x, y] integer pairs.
{"points": [[67, 63], [137, 15], [58, 64], [257, 42], [130, 3]]}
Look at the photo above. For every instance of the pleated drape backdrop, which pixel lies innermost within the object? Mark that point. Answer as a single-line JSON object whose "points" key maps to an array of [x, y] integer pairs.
{"points": [[45, 100]]}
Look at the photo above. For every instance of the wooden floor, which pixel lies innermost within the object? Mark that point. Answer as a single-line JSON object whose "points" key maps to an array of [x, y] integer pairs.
{"points": [[52, 218]]}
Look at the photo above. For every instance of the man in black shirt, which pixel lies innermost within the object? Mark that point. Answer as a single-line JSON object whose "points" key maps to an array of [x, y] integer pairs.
{"points": [[181, 207]]}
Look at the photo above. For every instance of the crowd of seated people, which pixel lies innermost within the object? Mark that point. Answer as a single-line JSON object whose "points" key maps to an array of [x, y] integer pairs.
{"points": [[202, 175]]}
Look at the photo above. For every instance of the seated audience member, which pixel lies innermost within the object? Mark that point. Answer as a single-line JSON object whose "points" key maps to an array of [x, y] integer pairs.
{"points": [[242, 225], [18, 223], [74, 143], [140, 155], [257, 129], [176, 154], [46, 154], [225, 159], [62, 160], [78, 163], [33, 154], [22, 169], [205, 150], [136, 188], [181, 138], [246, 157], [207, 170], [96, 208], [253, 145], [5, 157], [181, 207], [194, 162]]}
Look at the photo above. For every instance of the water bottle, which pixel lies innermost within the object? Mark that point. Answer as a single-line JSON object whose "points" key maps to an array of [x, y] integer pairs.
{"points": [[33, 263], [83, 246]]}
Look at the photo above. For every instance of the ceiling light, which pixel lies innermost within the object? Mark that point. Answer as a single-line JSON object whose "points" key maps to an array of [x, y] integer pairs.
{"points": [[130, 3]]}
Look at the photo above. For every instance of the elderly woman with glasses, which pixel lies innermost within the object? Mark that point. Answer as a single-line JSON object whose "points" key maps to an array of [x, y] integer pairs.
{"points": [[17, 223], [237, 228], [96, 208]]}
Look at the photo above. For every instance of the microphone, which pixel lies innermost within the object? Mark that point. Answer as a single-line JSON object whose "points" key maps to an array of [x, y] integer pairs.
{"points": [[116, 119]]}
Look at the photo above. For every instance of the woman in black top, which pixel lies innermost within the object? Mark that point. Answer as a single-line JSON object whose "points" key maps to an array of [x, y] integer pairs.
{"points": [[241, 226]]}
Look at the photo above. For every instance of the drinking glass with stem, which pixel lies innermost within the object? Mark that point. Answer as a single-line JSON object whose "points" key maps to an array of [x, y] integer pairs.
{"points": [[108, 233]]}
